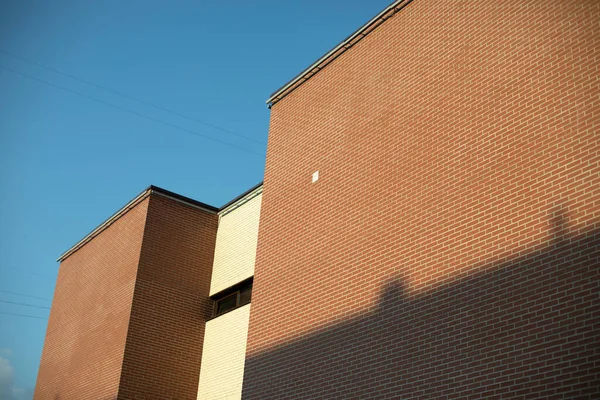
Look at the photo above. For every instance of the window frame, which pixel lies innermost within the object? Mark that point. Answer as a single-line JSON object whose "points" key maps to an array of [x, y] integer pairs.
{"points": [[236, 289]]}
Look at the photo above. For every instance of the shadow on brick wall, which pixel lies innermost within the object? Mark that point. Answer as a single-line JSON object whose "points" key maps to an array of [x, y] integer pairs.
{"points": [[526, 328]]}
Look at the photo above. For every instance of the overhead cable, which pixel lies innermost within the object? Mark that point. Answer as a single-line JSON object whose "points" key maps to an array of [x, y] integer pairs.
{"points": [[23, 304], [87, 82], [23, 315], [24, 295], [131, 111]]}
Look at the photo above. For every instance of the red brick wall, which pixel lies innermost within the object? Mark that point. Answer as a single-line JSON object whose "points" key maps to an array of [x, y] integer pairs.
{"points": [[170, 303], [128, 315], [451, 245], [87, 329]]}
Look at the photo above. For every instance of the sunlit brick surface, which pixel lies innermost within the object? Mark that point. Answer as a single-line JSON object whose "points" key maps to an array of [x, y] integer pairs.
{"points": [[87, 329], [223, 356], [128, 316], [450, 246], [235, 250]]}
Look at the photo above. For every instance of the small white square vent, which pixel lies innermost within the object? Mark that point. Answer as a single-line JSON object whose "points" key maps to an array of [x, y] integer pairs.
{"points": [[315, 176]]}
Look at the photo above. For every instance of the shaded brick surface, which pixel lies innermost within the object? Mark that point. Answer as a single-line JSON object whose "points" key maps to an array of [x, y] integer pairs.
{"points": [[458, 153], [170, 304]]}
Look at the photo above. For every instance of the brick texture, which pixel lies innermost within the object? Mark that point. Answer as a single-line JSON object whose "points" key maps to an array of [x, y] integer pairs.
{"points": [[223, 356], [170, 305], [87, 328], [450, 247], [235, 250], [128, 315]]}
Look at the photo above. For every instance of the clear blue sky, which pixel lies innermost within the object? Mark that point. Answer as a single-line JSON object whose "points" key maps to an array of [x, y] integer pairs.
{"points": [[68, 162]]}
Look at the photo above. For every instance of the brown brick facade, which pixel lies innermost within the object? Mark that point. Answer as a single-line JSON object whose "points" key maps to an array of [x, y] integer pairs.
{"points": [[171, 303], [451, 244], [127, 319], [88, 324]]}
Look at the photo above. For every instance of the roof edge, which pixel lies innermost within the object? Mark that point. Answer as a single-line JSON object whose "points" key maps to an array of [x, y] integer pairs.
{"points": [[241, 199], [337, 51], [122, 211], [184, 199], [130, 205]]}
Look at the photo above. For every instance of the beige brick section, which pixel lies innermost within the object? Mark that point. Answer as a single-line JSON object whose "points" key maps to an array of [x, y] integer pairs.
{"points": [[237, 235], [222, 370]]}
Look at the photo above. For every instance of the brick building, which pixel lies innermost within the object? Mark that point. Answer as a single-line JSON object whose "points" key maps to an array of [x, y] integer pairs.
{"points": [[429, 228]]}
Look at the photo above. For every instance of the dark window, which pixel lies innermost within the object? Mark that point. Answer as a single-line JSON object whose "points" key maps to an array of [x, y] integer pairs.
{"points": [[234, 297], [245, 295], [227, 303]]}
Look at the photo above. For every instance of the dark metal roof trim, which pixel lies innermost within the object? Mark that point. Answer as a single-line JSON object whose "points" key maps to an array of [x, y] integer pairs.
{"points": [[241, 196], [337, 51], [131, 204], [184, 199], [136, 200], [105, 224]]}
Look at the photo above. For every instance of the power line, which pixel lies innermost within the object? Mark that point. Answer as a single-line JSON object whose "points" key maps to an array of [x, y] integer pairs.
{"points": [[29, 272], [131, 111], [131, 97], [23, 304], [24, 295], [23, 315]]}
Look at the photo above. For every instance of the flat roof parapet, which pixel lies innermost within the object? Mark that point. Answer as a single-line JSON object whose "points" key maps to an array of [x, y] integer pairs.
{"points": [[337, 51], [246, 196]]}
